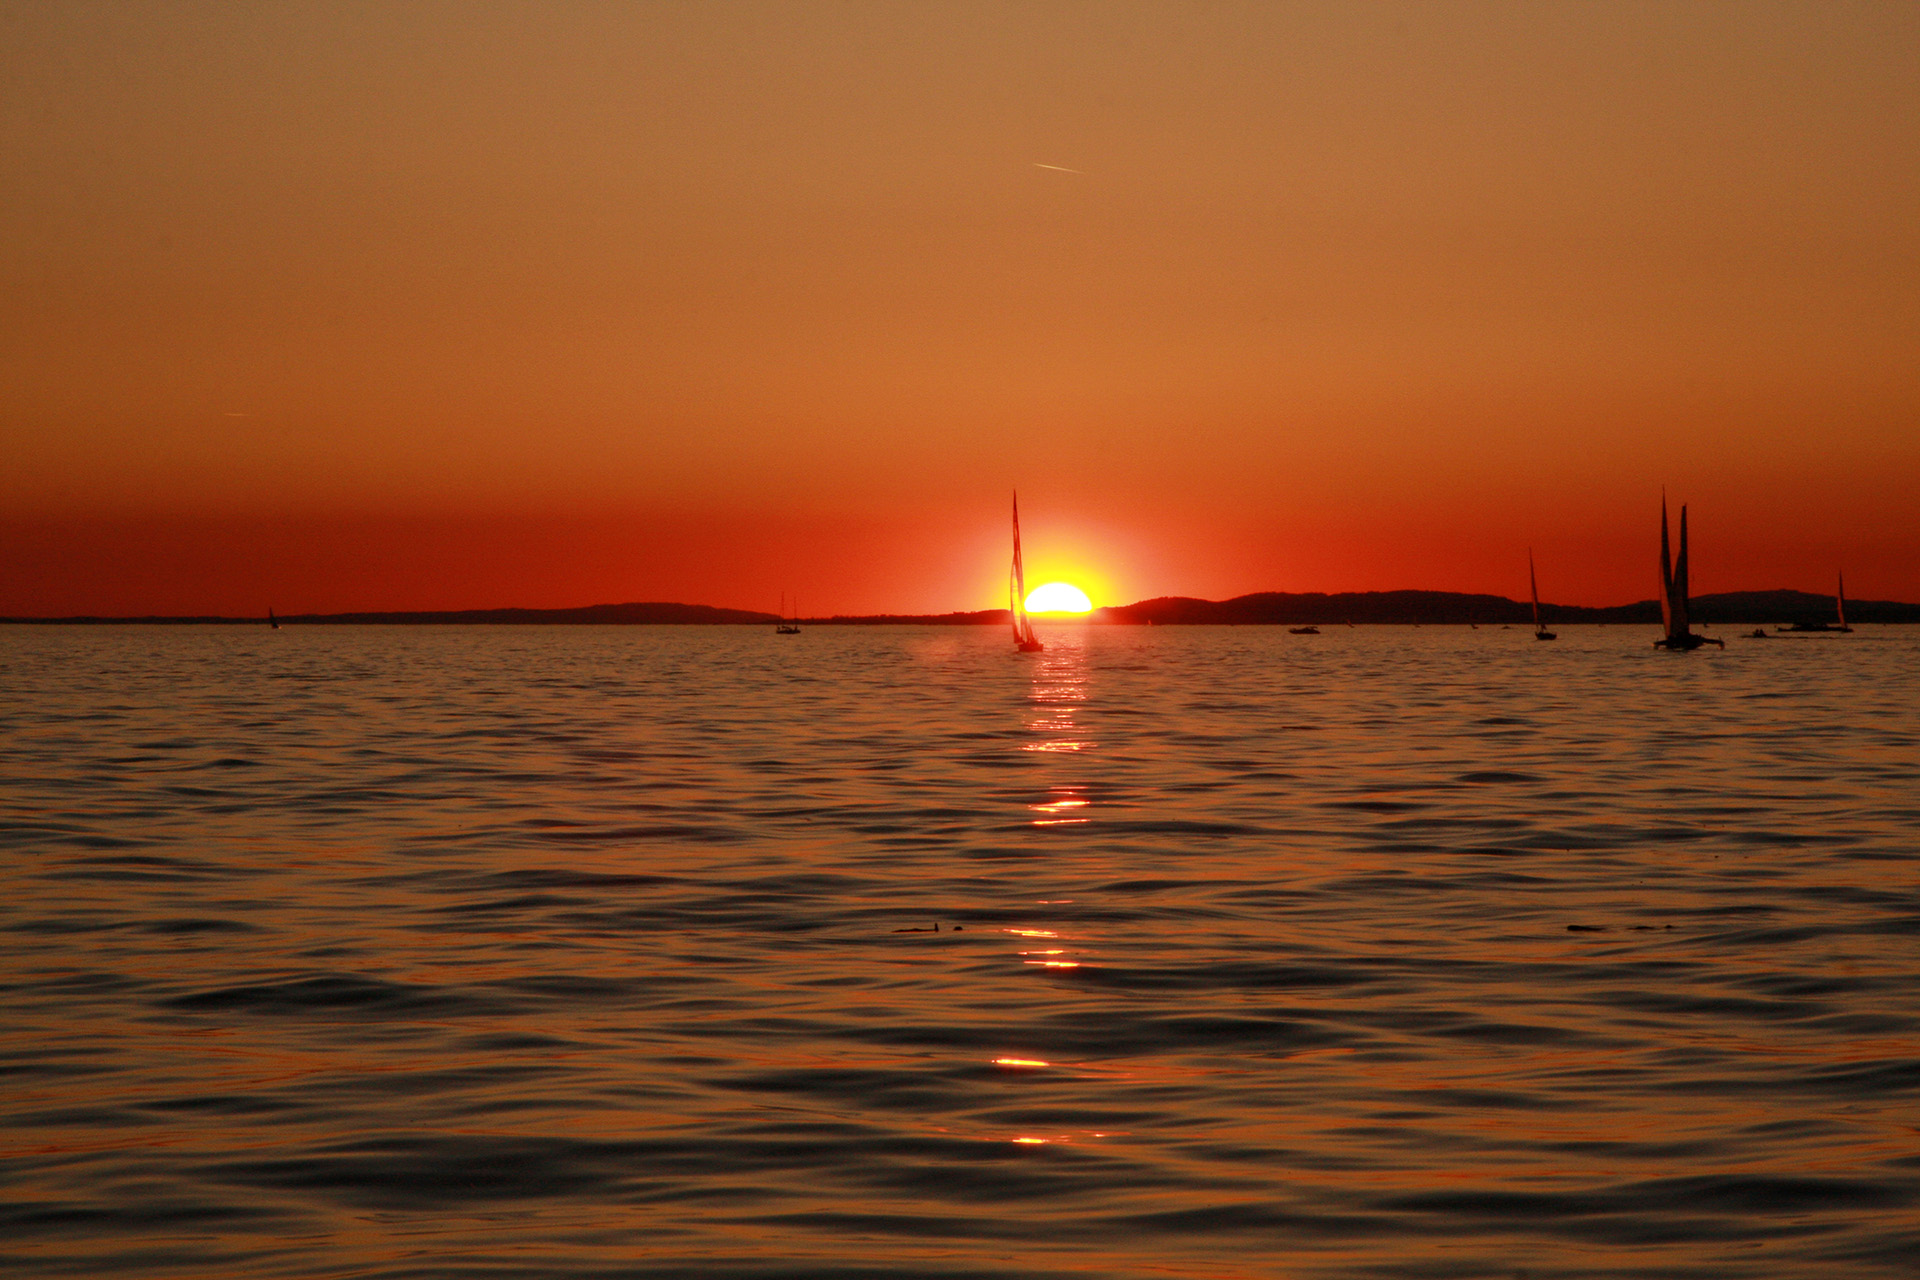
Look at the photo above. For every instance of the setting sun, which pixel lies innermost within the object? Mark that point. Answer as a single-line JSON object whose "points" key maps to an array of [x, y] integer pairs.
{"points": [[1058, 597]]}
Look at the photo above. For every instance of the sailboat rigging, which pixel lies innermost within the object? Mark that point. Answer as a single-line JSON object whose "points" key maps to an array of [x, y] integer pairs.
{"points": [[1024, 641], [1540, 631], [789, 624], [1673, 592]]}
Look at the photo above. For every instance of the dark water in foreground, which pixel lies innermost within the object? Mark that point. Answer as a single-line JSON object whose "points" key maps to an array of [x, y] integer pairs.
{"points": [[577, 952]]}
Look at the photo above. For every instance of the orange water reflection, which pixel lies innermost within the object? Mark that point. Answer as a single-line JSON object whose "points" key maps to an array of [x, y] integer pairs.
{"points": [[1059, 685], [1060, 811]]}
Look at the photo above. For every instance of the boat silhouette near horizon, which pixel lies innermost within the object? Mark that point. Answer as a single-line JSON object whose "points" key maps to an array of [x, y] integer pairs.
{"points": [[1840, 610], [1679, 637], [789, 624], [1540, 631], [1024, 641]]}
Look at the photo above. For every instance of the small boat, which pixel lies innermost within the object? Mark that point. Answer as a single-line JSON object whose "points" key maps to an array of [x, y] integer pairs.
{"points": [[1840, 608], [1303, 631], [1758, 633], [790, 624], [1679, 637], [1024, 641], [272, 622], [1540, 631]]}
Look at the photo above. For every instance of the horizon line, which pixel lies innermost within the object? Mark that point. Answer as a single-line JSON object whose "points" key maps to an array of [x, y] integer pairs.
{"points": [[743, 616]]}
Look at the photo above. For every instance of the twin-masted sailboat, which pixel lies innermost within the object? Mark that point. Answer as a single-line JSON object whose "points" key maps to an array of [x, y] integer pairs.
{"points": [[1024, 641], [1673, 592]]}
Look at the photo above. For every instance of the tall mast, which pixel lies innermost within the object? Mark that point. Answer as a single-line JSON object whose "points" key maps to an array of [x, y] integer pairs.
{"points": [[1023, 636], [1017, 588], [1534, 582]]}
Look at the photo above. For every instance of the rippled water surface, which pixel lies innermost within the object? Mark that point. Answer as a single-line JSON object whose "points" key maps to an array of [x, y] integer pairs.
{"points": [[583, 952]]}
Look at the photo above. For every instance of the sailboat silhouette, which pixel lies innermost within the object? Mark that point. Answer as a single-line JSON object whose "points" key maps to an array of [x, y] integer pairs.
{"points": [[1840, 608], [1540, 631], [1023, 638], [1673, 591]]}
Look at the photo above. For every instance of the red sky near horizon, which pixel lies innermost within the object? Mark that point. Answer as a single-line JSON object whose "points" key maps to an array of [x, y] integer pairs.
{"points": [[450, 305]]}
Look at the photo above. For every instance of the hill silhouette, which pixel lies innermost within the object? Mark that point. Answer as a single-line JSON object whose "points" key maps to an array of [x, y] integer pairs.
{"points": [[1263, 608], [648, 614], [1314, 608]]}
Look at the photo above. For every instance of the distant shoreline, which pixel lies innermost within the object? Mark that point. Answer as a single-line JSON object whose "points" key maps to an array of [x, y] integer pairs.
{"points": [[1402, 608]]}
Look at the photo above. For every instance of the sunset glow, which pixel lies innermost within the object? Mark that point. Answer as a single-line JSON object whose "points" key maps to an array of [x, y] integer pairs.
{"points": [[711, 302], [568, 571]]}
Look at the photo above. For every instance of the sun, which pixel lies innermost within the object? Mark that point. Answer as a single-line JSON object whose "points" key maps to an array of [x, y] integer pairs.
{"points": [[1058, 597]]}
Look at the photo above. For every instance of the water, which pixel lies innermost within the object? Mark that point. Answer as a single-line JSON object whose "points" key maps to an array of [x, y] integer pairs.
{"points": [[580, 952]]}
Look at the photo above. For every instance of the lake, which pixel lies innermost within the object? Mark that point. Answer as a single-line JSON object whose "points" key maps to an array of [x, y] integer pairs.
{"points": [[1168, 952]]}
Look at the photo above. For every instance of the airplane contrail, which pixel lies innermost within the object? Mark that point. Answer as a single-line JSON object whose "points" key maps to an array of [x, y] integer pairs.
{"points": [[1058, 168]]}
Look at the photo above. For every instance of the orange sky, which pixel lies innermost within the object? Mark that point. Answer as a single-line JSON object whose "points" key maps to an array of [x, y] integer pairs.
{"points": [[432, 305]]}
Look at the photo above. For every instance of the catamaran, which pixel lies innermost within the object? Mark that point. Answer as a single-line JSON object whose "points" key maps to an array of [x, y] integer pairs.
{"points": [[1673, 592], [1023, 638], [1540, 631]]}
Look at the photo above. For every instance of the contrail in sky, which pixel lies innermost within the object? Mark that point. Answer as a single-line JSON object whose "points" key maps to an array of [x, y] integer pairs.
{"points": [[1057, 168]]}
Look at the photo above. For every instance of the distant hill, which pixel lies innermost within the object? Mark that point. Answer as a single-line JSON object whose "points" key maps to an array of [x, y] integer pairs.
{"points": [[1794, 606], [653, 614], [1317, 608], [974, 618], [1313, 608], [1265, 608]]}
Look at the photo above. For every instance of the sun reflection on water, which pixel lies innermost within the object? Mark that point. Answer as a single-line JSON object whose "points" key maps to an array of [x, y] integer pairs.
{"points": [[1059, 686], [1056, 811]]}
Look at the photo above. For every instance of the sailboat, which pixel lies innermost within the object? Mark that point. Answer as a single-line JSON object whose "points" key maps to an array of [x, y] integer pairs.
{"points": [[272, 621], [1840, 605], [1673, 592], [1540, 631], [789, 625], [1023, 638]]}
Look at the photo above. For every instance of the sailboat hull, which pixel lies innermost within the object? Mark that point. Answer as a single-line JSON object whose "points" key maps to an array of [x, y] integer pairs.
{"points": [[1687, 643]]}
